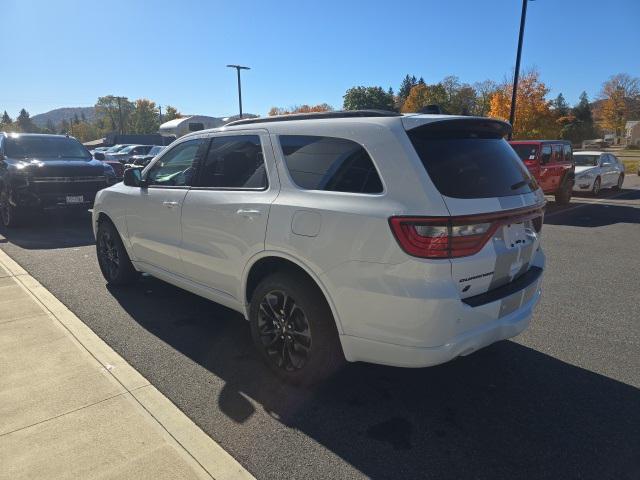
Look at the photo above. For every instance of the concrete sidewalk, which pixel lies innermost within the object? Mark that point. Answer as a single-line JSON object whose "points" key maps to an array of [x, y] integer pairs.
{"points": [[70, 407]]}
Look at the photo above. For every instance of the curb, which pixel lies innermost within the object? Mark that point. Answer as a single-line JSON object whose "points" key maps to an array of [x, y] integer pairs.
{"points": [[195, 443]]}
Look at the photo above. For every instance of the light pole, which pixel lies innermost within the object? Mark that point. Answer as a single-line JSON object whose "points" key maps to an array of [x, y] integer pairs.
{"points": [[238, 68], [512, 114]]}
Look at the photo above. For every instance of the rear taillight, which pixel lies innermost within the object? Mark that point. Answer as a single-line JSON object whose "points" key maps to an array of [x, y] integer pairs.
{"points": [[454, 237]]}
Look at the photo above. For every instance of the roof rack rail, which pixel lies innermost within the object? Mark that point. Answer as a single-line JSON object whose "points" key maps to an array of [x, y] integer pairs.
{"points": [[317, 116]]}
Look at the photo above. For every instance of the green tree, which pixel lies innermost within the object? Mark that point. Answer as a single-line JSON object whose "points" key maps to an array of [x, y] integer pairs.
{"points": [[560, 106], [6, 119], [83, 117], [76, 119], [578, 125], [170, 113], [582, 111], [484, 91], [64, 126], [145, 117], [358, 98], [117, 110], [405, 87], [24, 122]]}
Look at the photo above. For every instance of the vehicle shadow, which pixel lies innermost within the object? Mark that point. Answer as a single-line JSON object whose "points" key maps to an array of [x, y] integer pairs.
{"points": [[52, 230], [622, 208], [507, 411]]}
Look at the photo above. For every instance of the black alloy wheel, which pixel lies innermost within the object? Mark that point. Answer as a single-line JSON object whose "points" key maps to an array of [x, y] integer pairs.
{"points": [[284, 331]]}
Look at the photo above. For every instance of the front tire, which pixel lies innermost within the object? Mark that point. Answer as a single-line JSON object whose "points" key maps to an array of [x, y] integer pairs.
{"points": [[293, 329], [563, 196], [115, 265], [595, 190], [10, 215]]}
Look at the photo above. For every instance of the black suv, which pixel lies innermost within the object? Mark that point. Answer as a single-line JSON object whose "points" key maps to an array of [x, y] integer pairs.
{"points": [[40, 172]]}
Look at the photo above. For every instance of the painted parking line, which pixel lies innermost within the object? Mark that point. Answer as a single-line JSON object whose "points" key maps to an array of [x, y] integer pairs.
{"points": [[587, 202]]}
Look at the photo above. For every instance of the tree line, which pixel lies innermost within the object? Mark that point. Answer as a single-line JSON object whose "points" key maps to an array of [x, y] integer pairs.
{"points": [[113, 115], [537, 116]]}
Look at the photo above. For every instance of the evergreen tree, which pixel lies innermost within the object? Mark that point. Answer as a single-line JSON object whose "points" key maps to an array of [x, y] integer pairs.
{"points": [[405, 87], [582, 111], [76, 120], [6, 119], [24, 122], [560, 106], [83, 117]]}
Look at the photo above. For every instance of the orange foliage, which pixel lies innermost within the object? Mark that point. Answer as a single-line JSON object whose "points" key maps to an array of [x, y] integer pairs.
{"points": [[534, 117]]}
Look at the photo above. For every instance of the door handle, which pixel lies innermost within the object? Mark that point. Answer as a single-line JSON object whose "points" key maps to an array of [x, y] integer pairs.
{"points": [[170, 204], [248, 212]]}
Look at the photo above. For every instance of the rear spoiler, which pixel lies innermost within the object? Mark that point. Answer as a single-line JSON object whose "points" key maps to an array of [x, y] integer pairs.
{"points": [[439, 124]]}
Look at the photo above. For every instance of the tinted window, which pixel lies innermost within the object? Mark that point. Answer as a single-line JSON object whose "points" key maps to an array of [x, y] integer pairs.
{"points": [[586, 160], [328, 163], [545, 156], [195, 127], [176, 167], [567, 153], [43, 148], [465, 165], [557, 153], [526, 152], [234, 162]]}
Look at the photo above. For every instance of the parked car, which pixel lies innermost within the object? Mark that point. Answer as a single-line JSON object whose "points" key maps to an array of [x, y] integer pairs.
{"points": [[114, 149], [118, 169], [45, 172], [551, 163], [365, 235], [126, 153], [141, 161], [597, 170]]}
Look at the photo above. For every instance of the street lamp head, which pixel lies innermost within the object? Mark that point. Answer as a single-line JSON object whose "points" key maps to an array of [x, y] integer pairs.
{"points": [[239, 67]]}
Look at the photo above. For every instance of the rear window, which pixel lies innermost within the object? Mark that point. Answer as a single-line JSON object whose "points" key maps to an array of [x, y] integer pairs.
{"points": [[329, 163], [43, 148], [469, 164], [526, 152]]}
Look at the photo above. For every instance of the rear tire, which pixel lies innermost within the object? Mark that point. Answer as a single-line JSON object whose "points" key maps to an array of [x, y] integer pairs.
{"points": [[618, 186], [595, 190], [115, 265], [563, 196], [293, 329]]}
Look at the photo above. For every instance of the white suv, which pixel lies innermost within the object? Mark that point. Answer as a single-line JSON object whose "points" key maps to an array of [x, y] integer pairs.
{"points": [[371, 236]]}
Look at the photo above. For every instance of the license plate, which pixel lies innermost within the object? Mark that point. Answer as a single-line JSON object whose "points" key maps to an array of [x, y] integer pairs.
{"points": [[514, 235], [75, 199]]}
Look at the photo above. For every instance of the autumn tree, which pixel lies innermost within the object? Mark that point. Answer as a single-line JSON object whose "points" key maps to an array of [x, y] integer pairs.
{"points": [[321, 107], [145, 117], [170, 113], [484, 91], [620, 97], [534, 118], [423, 95], [359, 98]]}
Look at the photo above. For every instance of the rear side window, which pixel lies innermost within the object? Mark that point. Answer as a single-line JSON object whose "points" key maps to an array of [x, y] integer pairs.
{"points": [[466, 164], [234, 162], [526, 151], [568, 156], [557, 153], [329, 163], [545, 156]]}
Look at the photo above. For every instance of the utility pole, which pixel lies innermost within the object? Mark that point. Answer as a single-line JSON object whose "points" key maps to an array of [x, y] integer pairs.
{"points": [[516, 75], [120, 114], [160, 110], [238, 68]]}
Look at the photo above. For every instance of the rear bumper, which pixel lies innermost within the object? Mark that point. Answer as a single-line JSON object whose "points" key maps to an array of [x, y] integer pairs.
{"points": [[362, 349], [418, 319]]}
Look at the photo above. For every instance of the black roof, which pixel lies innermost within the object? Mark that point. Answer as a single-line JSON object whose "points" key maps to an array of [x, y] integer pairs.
{"points": [[316, 116]]}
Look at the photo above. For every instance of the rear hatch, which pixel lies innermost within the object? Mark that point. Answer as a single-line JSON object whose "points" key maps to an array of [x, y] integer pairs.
{"points": [[495, 204]]}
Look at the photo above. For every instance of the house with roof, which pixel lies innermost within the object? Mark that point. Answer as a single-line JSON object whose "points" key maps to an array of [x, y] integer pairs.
{"points": [[632, 132]]}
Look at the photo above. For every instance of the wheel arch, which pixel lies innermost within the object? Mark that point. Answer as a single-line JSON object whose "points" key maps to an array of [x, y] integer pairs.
{"points": [[268, 262], [101, 217]]}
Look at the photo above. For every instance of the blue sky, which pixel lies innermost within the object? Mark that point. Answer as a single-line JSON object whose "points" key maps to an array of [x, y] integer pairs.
{"points": [[68, 52]]}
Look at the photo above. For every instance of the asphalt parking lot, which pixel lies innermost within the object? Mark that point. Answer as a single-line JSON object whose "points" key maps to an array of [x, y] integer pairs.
{"points": [[560, 401]]}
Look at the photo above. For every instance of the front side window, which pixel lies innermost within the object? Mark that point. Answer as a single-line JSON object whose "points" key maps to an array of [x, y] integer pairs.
{"points": [[177, 167], [545, 156], [234, 162], [329, 163], [557, 153], [567, 153]]}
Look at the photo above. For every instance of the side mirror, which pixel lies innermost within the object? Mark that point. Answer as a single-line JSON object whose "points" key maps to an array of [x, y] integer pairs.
{"points": [[133, 178], [98, 156]]}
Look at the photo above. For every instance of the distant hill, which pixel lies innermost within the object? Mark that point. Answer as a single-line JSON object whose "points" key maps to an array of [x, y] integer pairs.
{"points": [[67, 113]]}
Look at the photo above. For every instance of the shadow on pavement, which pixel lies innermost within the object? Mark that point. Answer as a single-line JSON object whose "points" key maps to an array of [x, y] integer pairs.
{"points": [[624, 208], [52, 230], [507, 411]]}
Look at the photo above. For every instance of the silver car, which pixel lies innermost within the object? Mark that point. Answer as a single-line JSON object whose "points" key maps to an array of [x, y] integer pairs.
{"points": [[597, 170]]}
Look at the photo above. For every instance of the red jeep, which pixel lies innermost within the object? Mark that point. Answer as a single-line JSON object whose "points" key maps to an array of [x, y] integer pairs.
{"points": [[551, 163]]}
